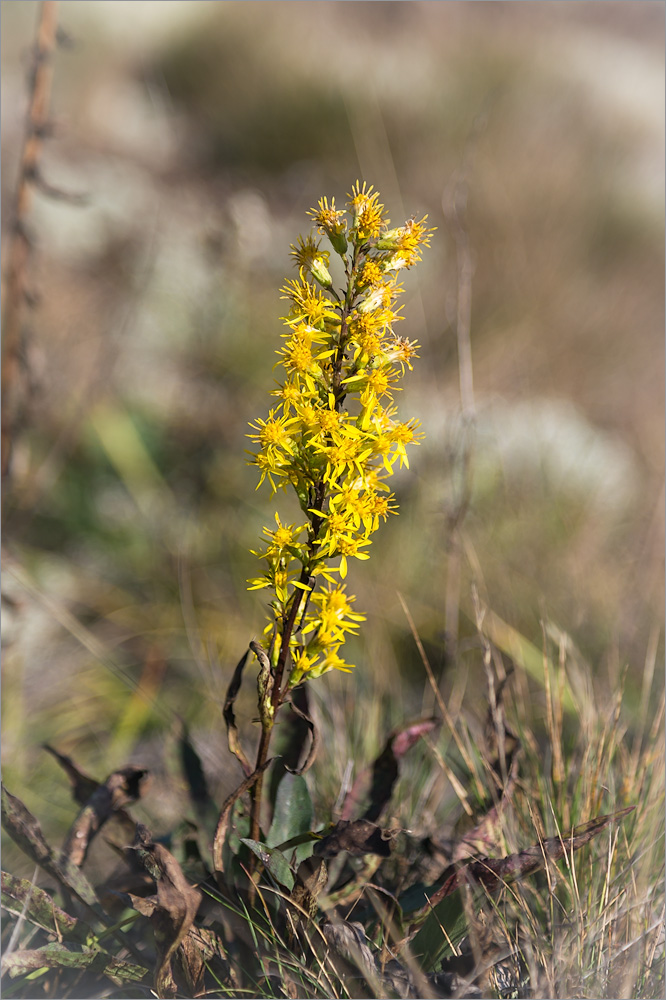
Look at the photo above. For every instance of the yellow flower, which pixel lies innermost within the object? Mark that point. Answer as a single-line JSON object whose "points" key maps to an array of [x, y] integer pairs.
{"points": [[406, 242], [335, 613], [283, 536], [404, 434], [303, 664], [274, 432], [306, 251], [371, 274], [367, 212], [351, 547], [332, 223], [308, 304], [271, 463]]}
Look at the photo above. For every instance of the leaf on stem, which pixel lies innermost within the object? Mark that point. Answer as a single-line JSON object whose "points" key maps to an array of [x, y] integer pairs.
{"points": [[294, 813], [273, 861], [230, 719], [225, 815], [314, 745]]}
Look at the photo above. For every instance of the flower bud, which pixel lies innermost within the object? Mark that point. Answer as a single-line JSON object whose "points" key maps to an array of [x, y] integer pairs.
{"points": [[338, 240], [392, 239], [320, 272]]}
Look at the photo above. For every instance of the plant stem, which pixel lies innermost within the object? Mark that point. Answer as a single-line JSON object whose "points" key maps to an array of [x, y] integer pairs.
{"points": [[278, 692], [19, 249]]}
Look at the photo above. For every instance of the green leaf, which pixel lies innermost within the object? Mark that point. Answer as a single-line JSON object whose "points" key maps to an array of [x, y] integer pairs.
{"points": [[294, 814], [273, 861], [445, 926]]}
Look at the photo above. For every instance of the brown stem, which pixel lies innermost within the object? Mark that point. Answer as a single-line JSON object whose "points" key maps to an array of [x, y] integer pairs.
{"points": [[19, 249]]}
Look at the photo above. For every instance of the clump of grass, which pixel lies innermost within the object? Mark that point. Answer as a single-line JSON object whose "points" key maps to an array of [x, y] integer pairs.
{"points": [[479, 865]]}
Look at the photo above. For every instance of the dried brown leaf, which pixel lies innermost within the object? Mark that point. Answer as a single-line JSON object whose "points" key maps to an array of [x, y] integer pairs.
{"points": [[314, 744], [356, 838], [372, 790], [119, 789], [225, 816], [176, 907], [230, 718], [83, 786], [492, 873]]}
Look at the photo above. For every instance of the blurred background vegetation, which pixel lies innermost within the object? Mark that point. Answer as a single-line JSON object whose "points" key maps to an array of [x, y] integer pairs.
{"points": [[199, 134]]}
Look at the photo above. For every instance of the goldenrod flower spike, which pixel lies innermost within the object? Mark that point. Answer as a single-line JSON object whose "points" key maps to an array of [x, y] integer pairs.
{"points": [[333, 436]]}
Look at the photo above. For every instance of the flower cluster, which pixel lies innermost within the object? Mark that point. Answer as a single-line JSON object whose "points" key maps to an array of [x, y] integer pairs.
{"points": [[334, 435]]}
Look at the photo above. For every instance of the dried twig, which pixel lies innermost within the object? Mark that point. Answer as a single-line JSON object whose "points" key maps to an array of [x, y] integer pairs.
{"points": [[18, 253]]}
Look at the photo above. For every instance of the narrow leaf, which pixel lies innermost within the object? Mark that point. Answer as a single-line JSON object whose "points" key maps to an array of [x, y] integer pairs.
{"points": [[230, 719], [314, 745], [492, 873], [273, 861], [225, 815]]}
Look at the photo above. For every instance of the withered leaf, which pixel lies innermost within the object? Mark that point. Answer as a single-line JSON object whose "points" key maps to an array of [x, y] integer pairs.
{"points": [[348, 940], [356, 838], [230, 718], [177, 905], [372, 790], [21, 897], [82, 784], [492, 873], [25, 830], [311, 878], [225, 816], [314, 744], [62, 956], [119, 789]]}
